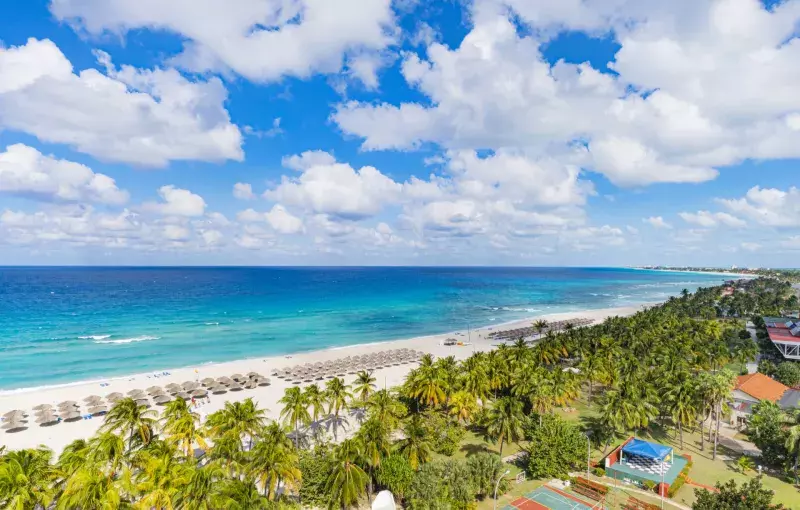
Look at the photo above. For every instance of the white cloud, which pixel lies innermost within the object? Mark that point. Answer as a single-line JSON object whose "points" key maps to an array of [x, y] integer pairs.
{"points": [[709, 220], [262, 40], [657, 222], [699, 86], [768, 206], [307, 160], [26, 171], [176, 202], [749, 246], [243, 191], [632, 230], [327, 187], [283, 221], [127, 115]]}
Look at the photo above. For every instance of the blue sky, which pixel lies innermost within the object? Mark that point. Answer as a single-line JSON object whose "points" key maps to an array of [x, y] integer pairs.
{"points": [[492, 132]]}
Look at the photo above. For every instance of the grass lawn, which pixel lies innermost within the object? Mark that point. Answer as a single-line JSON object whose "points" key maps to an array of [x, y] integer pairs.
{"points": [[474, 443]]}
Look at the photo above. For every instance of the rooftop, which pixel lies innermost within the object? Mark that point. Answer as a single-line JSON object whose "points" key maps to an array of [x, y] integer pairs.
{"points": [[761, 387]]}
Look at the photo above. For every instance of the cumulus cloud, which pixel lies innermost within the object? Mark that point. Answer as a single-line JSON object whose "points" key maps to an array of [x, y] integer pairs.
{"points": [[698, 86], [768, 206], [708, 219], [143, 117], [176, 202], [657, 222], [26, 171], [280, 219], [243, 191], [259, 39]]}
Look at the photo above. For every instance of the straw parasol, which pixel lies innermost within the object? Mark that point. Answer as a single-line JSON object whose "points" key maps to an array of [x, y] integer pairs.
{"points": [[134, 393], [144, 401], [224, 380], [70, 415], [15, 414], [162, 399], [98, 409], [250, 385], [154, 389], [47, 418], [235, 387], [208, 381], [189, 385], [116, 395], [256, 374], [236, 377], [264, 381], [14, 425], [42, 407], [183, 395], [216, 390], [199, 393], [92, 398], [68, 403], [172, 385]]}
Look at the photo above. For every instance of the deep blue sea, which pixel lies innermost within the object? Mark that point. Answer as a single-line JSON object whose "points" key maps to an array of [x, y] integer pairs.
{"points": [[60, 325]]}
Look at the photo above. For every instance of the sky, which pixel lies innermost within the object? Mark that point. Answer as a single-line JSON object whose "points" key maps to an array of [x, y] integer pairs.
{"points": [[379, 132]]}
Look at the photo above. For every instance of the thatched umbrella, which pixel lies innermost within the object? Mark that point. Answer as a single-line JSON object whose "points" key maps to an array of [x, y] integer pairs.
{"points": [[183, 395], [154, 389], [14, 425], [208, 381], [134, 393], [250, 385], [216, 390], [42, 407], [224, 380], [47, 418], [143, 402], [71, 416], [98, 409], [15, 414], [199, 393], [92, 398], [264, 381], [189, 385], [68, 403], [172, 386], [162, 399], [236, 377], [235, 387], [253, 374], [114, 396]]}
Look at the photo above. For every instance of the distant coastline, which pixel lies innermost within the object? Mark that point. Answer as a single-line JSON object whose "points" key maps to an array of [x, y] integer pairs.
{"points": [[717, 271]]}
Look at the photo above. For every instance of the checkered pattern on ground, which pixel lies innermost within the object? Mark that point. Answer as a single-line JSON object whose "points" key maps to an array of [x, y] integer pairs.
{"points": [[653, 467]]}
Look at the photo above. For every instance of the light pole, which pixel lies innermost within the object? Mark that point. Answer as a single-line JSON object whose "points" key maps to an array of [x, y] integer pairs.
{"points": [[588, 454], [496, 485]]}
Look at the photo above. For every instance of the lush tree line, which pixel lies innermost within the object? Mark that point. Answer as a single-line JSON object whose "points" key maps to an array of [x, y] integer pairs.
{"points": [[664, 364]]}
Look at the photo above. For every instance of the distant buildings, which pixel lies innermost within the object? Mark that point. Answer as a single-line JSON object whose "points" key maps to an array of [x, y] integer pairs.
{"points": [[754, 388], [785, 335]]}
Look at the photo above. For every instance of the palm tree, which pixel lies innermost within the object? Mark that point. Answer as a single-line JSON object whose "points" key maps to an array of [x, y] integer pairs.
{"points": [[463, 406], [182, 426], [474, 379], [338, 394], [682, 398], [128, 417], [504, 421], [107, 449], [89, 488], [272, 464], [793, 442], [364, 385], [295, 409], [26, 479], [244, 418], [415, 445], [74, 456], [386, 408], [241, 494], [540, 326], [162, 478], [203, 490], [316, 401], [347, 480], [374, 442], [428, 385]]}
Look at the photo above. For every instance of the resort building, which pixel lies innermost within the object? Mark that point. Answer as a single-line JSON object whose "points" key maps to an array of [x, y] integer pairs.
{"points": [[753, 388], [785, 336]]}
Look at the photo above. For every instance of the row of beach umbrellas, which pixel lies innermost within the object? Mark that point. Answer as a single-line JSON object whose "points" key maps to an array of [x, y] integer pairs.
{"points": [[349, 365], [70, 410]]}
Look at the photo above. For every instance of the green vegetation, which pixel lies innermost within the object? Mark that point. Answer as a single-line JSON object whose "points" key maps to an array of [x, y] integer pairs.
{"points": [[437, 440], [748, 496]]}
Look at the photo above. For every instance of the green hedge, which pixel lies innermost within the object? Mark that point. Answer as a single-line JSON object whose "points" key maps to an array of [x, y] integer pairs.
{"points": [[678, 483]]}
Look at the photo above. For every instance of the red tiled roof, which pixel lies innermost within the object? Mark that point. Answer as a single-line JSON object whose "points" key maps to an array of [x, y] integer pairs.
{"points": [[761, 387]]}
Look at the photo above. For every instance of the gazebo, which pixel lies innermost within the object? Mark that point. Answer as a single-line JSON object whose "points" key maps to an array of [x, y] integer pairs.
{"points": [[650, 457]]}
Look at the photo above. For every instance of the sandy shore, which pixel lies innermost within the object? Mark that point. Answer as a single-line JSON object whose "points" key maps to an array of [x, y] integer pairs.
{"points": [[59, 435]]}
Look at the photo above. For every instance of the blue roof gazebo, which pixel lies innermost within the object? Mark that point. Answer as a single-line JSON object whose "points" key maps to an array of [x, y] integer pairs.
{"points": [[653, 451]]}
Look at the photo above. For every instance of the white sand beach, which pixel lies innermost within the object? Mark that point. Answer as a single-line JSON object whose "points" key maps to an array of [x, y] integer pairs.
{"points": [[58, 436]]}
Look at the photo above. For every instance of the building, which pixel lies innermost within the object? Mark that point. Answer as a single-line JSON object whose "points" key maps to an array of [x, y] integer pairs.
{"points": [[753, 388], [785, 336]]}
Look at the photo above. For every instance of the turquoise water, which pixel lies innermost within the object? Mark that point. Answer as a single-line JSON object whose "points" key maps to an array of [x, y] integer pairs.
{"points": [[60, 325]]}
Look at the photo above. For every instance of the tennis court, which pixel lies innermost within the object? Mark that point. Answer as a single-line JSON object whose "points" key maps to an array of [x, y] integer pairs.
{"points": [[545, 498]]}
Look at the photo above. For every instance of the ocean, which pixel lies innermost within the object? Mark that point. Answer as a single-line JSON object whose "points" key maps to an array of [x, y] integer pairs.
{"points": [[61, 325]]}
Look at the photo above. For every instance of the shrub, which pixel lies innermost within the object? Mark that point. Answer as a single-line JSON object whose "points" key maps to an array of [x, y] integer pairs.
{"points": [[396, 475], [598, 471], [788, 373], [678, 483], [649, 485], [315, 466], [485, 469], [555, 448]]}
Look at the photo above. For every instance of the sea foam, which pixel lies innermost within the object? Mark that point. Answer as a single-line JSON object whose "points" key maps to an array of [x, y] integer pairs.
{"points": [[94, 337], [128, 340]]}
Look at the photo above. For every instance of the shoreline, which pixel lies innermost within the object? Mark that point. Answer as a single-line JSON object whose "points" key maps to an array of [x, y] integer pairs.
{"points": [[719, 273], [60, 435], [511, 324]]}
